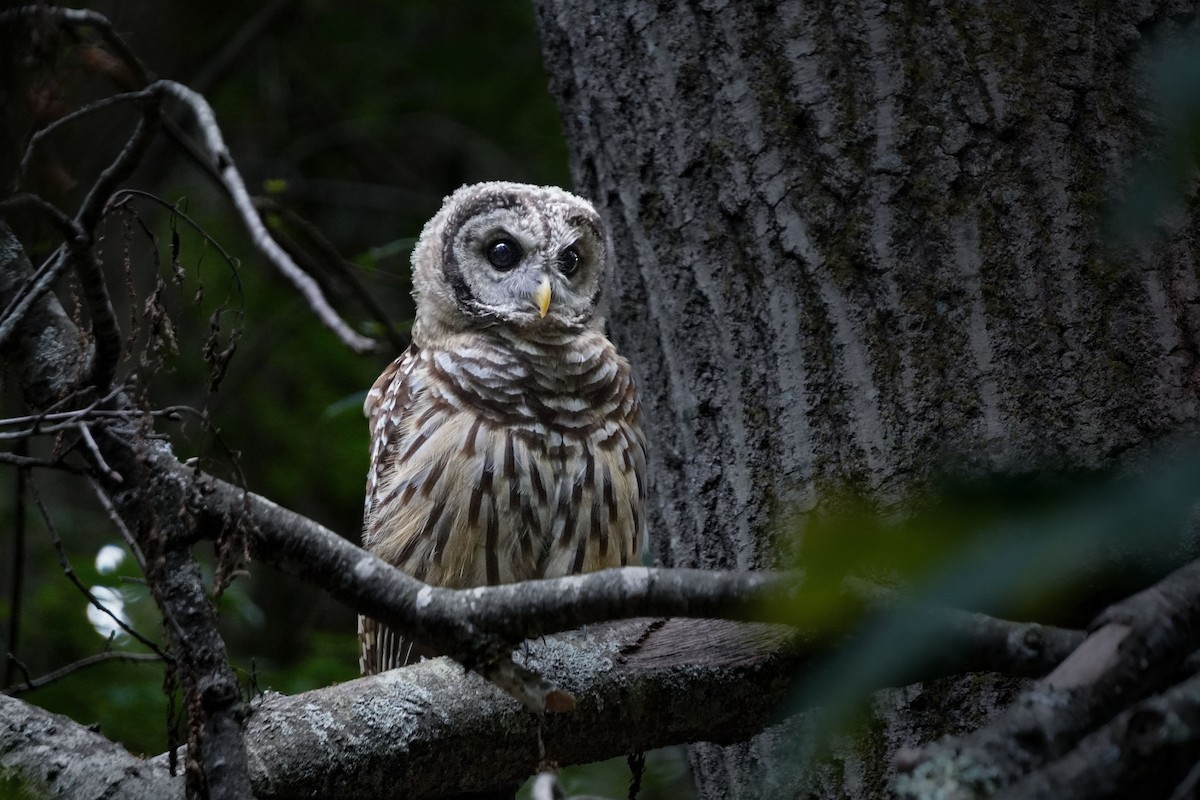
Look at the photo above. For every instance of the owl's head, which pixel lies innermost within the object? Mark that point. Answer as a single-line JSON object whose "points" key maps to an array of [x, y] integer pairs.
{"points": [[532, 258]]}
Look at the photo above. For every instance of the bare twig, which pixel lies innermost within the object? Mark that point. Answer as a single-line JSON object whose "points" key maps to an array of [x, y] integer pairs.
{"points": [[123, 196], [118, 523], [232, 179], [89, 414], [69, 571], [20, 665], [66, 119], [29, 684], [98, 457], [343, 269], [95, 291], [37, 430], [26, 462], [17, 562]]}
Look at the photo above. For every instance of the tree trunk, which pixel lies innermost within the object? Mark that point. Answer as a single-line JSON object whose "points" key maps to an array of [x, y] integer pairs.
{"points": [[857, 244]]}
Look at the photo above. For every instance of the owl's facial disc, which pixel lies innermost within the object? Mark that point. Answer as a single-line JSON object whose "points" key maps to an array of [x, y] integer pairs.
{"points": [[529, 268], [530, 258]]}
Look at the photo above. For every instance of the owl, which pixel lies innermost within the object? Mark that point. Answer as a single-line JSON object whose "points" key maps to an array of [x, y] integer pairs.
{"points": [[506, 442]]}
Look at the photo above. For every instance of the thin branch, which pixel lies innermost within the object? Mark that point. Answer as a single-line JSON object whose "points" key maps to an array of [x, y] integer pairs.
{"points": [[17, 561], [97, 456], [66, 119], [65, 225], [130, 540], [29, 684], [12, 660], [123, 196], [343, 269], [69, 571], [968, 641], [26, 462], [232, 179], [91, 414], [95, 291], [37, 430], [122, 167]]}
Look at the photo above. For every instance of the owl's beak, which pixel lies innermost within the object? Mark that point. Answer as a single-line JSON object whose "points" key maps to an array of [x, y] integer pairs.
{"points": [[542, 297]]}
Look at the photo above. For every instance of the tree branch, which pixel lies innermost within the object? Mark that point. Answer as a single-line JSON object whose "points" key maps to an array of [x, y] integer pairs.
{"points": [[1134, 647], [16, 562], [1159, 739], [207, 123], [29, 684], [48, 754], [432, 729]]}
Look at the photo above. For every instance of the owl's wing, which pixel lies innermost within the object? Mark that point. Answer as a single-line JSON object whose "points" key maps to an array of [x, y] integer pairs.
{"points": [[389, 400]]}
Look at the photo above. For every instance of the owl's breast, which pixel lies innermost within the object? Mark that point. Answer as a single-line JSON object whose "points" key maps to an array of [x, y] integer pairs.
{"points": [[499, 472]]}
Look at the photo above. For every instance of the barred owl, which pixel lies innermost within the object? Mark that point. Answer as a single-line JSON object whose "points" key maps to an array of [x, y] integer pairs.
{"points": [[506, 442]]}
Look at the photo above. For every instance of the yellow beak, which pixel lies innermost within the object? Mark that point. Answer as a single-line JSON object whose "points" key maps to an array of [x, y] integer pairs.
{"points": [[542, 297]]}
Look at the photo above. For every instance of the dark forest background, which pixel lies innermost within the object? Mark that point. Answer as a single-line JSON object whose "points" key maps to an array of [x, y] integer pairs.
{"points": [[355, 125]]}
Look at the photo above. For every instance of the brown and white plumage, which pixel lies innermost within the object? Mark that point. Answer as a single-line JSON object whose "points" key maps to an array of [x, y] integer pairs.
{"points": [[506, 441]]}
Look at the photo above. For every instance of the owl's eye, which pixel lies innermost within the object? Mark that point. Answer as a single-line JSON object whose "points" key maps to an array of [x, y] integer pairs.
{"points": [[568, 261], [503, 254]]}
